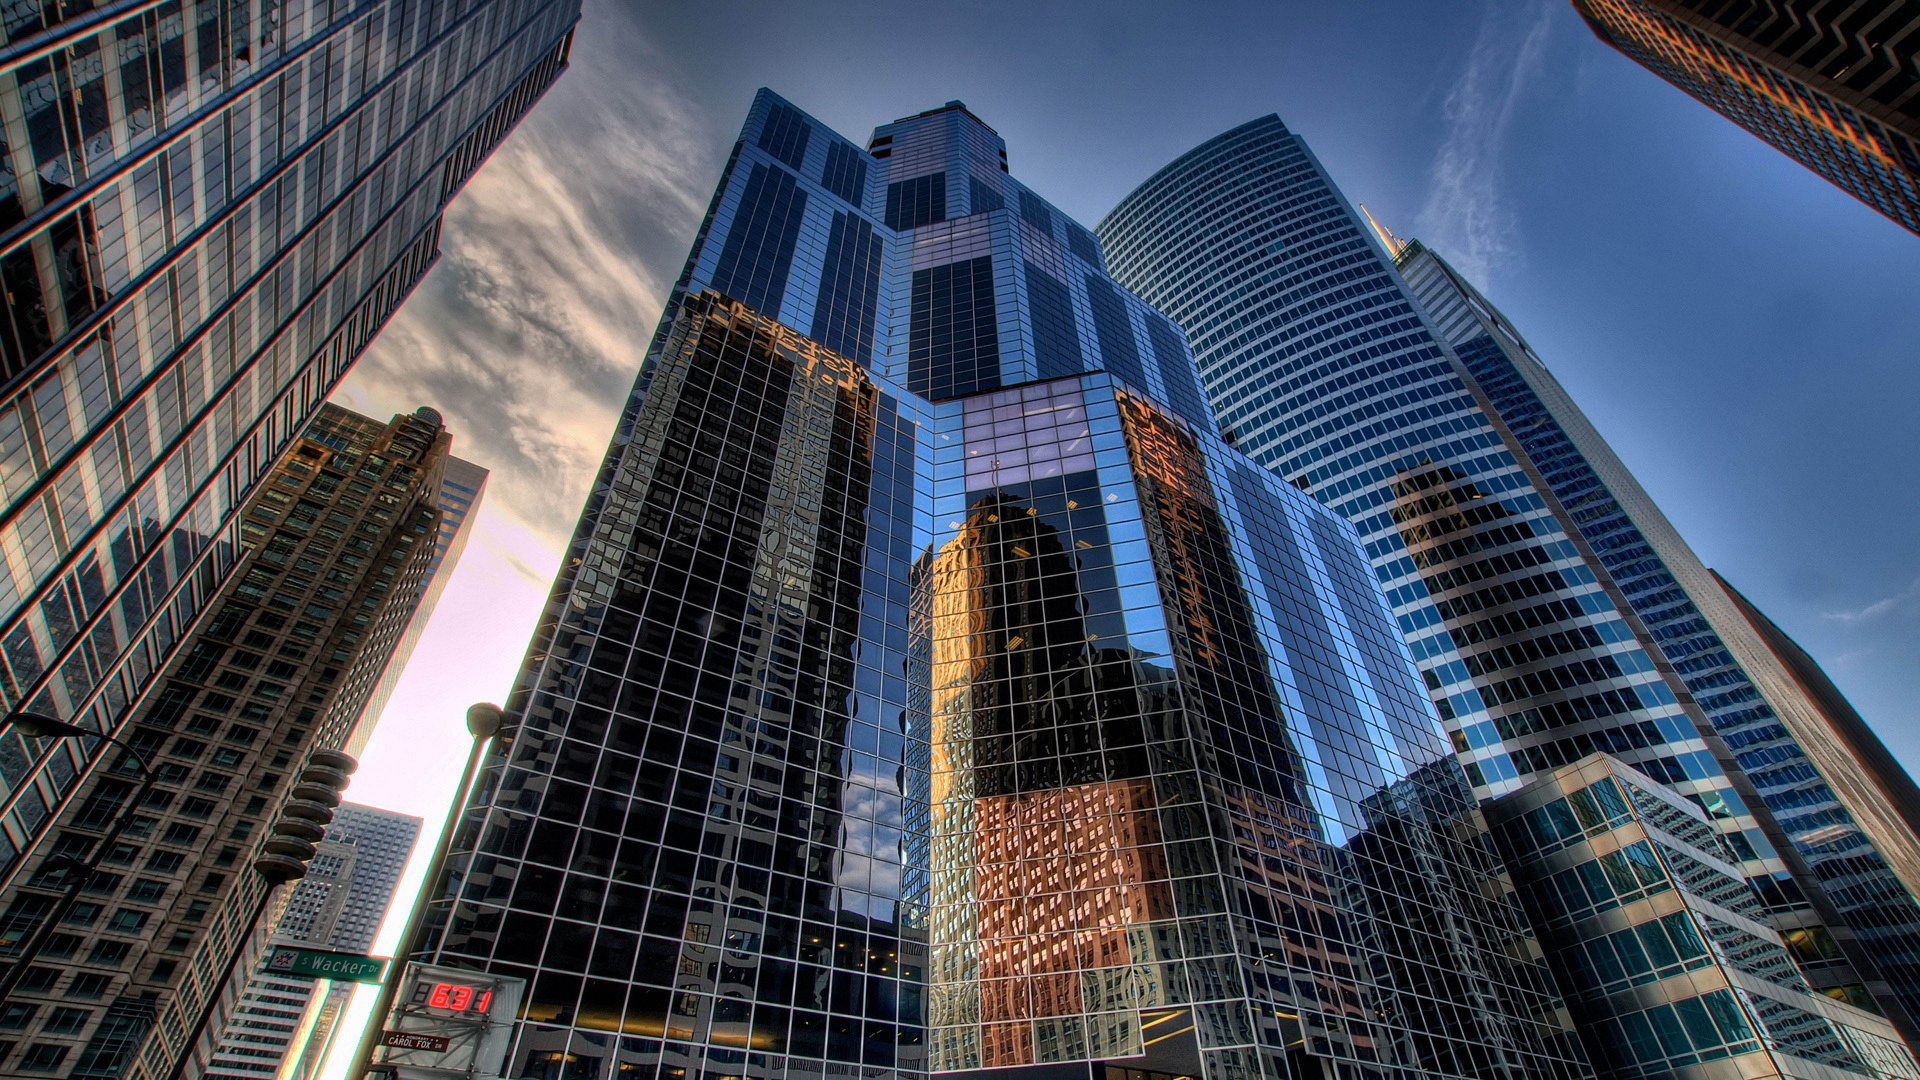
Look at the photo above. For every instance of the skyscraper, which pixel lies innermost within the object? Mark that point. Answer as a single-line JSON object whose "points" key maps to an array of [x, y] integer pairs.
{"points": [[1839, 797], [460, 492], [1537, 621], [209, 210], [341, 543], [930, 689], [283, 1024], [1834, 86]]}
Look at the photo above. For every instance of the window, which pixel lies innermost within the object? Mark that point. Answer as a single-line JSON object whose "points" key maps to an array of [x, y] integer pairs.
{"points": [[197, 807], [83, 914], [758, 252], [43, 1057], [89, 984], [226, 758], [196, 911], [227, 856], [180, 940], [126, 922], [165, 862], [180, 833], [113, 953], [212, 883], [64, 1021], [163, 970], [146, 892], [16, 1015]]}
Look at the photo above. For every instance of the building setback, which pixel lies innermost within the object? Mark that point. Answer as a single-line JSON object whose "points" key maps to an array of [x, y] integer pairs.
{"points": [[284, 1024], [460, 493], [1836, 87], [341, 542], [210, 209], [930, 689], [1321, 363]]}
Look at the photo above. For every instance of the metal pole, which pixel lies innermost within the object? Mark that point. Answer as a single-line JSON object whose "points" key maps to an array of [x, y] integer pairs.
{"points": [[82, 874], [483, 721]]}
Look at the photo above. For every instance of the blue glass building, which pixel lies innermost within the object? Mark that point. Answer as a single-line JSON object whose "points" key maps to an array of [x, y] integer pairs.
{"points": [[1838, 796], [929, 688], [1544, 624]]}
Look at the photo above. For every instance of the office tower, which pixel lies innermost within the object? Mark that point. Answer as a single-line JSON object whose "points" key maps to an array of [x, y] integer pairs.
{"points": [[460, 493], [284, 1023], [1321, 364], [210, 209], [1631, 885], [1840, 799], [929, 689], [1836, 87], [340, 541]]}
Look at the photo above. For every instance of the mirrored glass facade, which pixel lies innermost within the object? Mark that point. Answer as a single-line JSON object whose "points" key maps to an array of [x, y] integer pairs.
{"points": [[930, 689], [207, 210], [1544, 625]]}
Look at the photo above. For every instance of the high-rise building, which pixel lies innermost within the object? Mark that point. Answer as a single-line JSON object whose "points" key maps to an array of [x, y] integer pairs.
{"points": [[208, 210], [930, 689], [283, 1024], [1666, 955], [1539, 638], [460, 492], [340, 543], [1840, 799], [1836, 87]]}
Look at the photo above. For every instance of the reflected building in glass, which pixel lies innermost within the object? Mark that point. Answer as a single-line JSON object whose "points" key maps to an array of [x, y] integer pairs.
{"points": [[1552, 611], [930, 689]]}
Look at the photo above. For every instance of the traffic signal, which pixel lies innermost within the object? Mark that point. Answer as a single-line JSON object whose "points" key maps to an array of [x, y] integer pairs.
{"points": [[304, 817]]}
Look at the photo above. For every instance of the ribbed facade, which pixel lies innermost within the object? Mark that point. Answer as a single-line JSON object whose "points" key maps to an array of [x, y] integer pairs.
{"points": [[1833, 86]]}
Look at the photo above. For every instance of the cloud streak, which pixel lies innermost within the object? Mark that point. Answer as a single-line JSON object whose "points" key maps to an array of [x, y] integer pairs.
{"points": [[1466, 215], [1897, 601]]}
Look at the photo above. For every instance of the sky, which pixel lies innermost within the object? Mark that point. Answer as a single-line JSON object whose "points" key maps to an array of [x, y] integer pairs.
{"points": [[1742, 332]]}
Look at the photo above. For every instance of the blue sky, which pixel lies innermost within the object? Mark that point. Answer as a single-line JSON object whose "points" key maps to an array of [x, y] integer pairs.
{"points": [[1742, 332]]}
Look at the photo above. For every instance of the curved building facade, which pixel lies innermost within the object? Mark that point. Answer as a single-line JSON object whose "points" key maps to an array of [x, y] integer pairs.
{"points": [[1321, 363]]}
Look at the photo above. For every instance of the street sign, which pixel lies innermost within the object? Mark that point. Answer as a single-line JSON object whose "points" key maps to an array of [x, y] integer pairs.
{"points": [[324, 964], [409, 1040]]}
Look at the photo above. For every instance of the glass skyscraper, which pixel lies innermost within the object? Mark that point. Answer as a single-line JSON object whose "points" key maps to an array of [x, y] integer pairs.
{"points": [[1837, 795], [206, 212], [1552, 612], [929, 688], [1836, 87]]}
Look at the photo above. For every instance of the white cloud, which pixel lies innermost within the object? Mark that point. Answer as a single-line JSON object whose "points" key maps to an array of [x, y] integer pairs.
{"points": [[1465, 216], [1902, 599]]}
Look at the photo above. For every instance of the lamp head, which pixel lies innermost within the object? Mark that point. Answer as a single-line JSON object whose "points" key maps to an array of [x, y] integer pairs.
{"points": [[42, 726], [484, 720]]}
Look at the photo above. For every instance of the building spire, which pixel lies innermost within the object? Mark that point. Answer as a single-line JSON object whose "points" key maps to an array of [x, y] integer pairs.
{"points": [[1394, 244]]}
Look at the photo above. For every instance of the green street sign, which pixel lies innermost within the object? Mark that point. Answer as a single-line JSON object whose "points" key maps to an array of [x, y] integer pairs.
{"points": [[322, 964]]}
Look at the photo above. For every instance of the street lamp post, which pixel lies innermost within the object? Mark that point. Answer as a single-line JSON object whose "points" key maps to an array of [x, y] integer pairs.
{"points": [[38, 726], [483, 723]]}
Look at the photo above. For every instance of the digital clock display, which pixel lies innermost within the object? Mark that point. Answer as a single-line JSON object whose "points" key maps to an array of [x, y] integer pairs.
{"points": [[452, 997]]}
